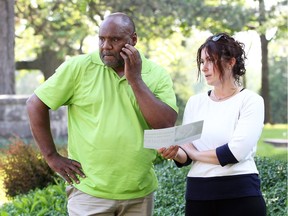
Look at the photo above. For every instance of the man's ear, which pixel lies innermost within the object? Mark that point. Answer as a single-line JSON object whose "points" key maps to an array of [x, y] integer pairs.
{"points": [[134, 39]]}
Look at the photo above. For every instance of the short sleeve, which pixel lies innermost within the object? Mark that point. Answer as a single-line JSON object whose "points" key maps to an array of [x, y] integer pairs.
{"points": [[58, 89]]}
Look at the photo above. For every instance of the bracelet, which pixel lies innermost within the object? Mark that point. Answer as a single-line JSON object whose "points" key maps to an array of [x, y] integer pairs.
{"points": [[175, 155], [189, 160]]}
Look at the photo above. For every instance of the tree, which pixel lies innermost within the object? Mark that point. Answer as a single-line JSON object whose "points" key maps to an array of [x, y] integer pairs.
{"points": [[278, 89], [264, 20], [62, 26], [269, 20], [56, 23], [7, 69]]}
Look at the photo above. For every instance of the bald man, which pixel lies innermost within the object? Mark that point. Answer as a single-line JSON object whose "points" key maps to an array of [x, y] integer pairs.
{"points": [[112, 96]]}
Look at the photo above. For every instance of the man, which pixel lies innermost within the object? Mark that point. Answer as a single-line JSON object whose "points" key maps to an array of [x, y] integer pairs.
{"points": [[112, 96]]}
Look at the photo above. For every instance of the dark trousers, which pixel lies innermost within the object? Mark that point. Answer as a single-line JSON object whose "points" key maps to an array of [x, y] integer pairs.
{"points": [[247, 206]]}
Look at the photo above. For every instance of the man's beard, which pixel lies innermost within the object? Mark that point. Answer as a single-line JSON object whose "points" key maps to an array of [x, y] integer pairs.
{"points": [[119, 62]]}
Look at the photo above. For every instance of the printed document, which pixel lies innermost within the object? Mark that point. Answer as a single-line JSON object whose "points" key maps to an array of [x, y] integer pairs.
{"points": [[177, 135]]}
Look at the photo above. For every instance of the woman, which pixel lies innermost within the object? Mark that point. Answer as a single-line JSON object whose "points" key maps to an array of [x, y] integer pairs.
{"points": [[223, 179]]}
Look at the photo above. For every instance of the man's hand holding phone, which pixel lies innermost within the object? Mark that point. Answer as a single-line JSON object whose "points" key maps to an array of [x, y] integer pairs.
{"points": [[133, 63]]}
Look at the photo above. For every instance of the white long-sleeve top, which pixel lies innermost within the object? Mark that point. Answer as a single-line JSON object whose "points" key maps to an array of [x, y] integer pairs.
{"points": [[237, 121]]}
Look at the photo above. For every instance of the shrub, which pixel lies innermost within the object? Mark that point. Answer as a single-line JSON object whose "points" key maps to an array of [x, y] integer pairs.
{"points": [[50, 201], [273, 174], [24, 169], [169, 198]]}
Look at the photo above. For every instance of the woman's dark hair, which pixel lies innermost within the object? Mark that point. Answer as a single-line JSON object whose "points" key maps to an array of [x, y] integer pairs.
{"points": [[221, 48]]}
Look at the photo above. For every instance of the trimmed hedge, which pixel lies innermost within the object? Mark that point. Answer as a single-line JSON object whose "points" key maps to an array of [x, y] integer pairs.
{"points": [[169, 198]]}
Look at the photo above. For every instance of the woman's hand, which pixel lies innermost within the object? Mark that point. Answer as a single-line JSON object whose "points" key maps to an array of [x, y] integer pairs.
{"points": [[169, 153]]}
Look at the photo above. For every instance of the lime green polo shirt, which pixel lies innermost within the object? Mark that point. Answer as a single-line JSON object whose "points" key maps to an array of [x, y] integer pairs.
{"points": [[105, 124]]}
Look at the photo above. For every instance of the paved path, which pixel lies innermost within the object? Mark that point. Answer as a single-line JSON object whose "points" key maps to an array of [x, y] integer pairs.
{"points": [[277, 142]]}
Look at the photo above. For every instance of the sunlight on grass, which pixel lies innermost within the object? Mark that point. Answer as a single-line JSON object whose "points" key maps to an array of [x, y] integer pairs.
{"points": [[276, 126], [279, 131], [3, 198]]}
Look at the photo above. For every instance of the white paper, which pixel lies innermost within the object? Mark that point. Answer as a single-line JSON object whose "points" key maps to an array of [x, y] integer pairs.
{"points": [[177, 135]]}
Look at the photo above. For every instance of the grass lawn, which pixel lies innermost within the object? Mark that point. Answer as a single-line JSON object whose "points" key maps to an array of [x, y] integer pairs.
{"points": [[3, 198], [279, 131]]}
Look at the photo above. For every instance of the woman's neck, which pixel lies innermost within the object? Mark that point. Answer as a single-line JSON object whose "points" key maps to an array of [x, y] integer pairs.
{"points": [[223, 93]]}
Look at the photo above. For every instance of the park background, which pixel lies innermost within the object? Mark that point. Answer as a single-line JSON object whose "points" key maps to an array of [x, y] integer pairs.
{"points": [[41, 34]]}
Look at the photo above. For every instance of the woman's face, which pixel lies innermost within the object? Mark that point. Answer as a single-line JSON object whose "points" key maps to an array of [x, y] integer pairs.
{"points": [[209, 68]]}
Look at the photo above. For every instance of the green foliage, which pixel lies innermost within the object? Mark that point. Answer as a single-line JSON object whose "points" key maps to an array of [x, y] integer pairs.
{"points": [[169, 198], [273, 174], [64, 27], [60, 26], [269, 16], [278, 89], [50, 201], [24, 169]]}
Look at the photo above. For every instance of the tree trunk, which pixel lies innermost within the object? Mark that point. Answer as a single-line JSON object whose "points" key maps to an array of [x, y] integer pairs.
{"points": [[264, 61], [46, 62], [7, 67], [265, 78]]}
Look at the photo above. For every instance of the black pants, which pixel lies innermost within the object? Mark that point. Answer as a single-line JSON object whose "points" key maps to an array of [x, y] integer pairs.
{"points": [[247, 206]]}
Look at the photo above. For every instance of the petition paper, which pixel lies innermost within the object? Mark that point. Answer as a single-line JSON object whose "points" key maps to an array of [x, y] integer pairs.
{"points": [[177, 135]]}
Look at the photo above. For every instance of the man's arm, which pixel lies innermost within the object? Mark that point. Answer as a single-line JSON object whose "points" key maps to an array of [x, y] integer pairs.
{"points": [[39, 118], [157, 113]]}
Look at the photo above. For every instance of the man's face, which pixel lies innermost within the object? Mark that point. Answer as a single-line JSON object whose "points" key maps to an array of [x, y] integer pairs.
{"points": [[112, 38]]}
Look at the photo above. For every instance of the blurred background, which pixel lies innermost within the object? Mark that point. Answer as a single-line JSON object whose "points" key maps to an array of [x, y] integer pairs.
{"points": [[49, 31]]}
